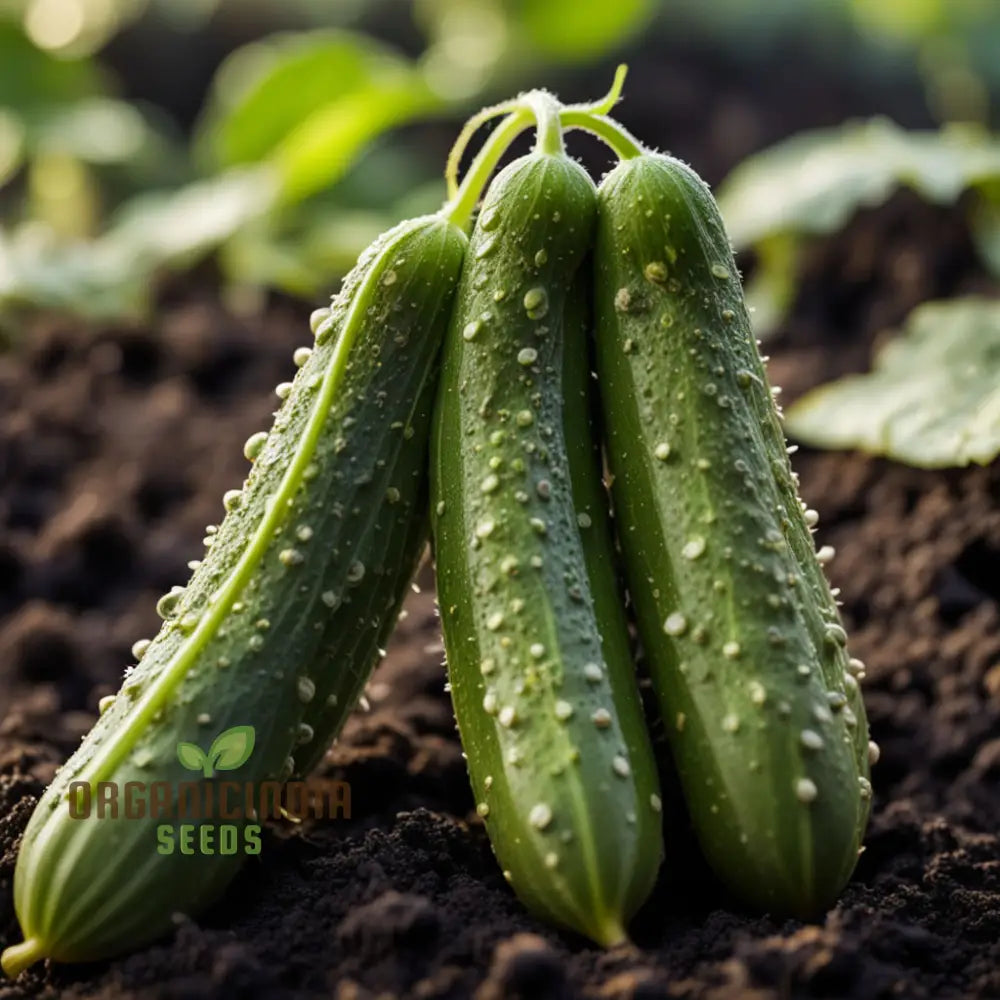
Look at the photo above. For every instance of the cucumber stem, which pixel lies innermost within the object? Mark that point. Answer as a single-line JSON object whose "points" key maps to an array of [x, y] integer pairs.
{"points": [[459, 208], [469, 129], [622, 142], [603, 105], [536, 101], [548, 131], [19, 957]]}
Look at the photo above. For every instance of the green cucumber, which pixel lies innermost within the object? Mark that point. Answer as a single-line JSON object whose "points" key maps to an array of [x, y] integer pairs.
{"points": [[280, 623], [745, 643], [549, 716]]}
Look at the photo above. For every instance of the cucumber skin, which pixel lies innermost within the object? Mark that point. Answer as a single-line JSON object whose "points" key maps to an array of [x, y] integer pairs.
{"points": [[590, 499], [678, 366], [603, 841], [93, 888]]}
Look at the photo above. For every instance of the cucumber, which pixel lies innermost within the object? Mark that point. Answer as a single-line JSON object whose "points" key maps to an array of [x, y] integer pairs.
{"points": [[274, 635], [549, 717], [745, 643]]}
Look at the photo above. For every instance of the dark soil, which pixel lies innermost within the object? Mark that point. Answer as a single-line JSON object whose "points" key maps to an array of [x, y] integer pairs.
{"points": [[115, 448]]}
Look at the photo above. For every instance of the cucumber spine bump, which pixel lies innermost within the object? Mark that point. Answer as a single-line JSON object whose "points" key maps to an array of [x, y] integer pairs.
{"points": [[550, 720], [745, 643], [305, 571]]}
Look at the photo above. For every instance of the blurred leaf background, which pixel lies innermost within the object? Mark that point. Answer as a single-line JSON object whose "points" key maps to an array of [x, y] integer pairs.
{"points": [[278, 137]]}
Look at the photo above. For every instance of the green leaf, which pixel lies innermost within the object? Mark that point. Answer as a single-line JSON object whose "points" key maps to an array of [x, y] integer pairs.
{"points": [[191, 756], [321, 150], [309, 103], [97, 130], [307, 260], [232, 748], [266, 89], [932, 400], [32, 80], [771, 290], [814, 182], [986, 233], [113, 276], [580, 29], [11, 145], [89, 280], [179, 227]]}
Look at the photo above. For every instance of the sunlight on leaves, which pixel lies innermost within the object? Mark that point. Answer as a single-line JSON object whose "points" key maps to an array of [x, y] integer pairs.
{"points": [[265, 90], [932, 400], [321, 150], [305, 251], [309, 103], [467, 42]]}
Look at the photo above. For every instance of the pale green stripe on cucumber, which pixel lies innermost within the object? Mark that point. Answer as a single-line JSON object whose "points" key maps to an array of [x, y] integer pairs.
{"points": [[549, 718], [744, 639]]}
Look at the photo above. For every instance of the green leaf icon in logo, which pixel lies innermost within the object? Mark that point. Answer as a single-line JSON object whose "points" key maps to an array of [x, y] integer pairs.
{"points": [[192, 757], [229, 750]]}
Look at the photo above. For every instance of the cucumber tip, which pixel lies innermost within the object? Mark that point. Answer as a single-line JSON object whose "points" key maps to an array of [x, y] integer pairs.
{"points": [[19, 957]]}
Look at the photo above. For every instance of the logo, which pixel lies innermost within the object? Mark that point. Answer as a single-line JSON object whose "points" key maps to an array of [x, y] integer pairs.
{"points": [[187, 811], [229, 750]]}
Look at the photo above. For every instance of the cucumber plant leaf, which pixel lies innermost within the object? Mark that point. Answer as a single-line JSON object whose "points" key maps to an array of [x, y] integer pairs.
{"points": [[33, 81], [771, 291], [303, 251], [322, 148], [932, 399], [308, 103], [306, 257], [179, 227], [265, 90], [112, 276], [986, 232], [814, 182], [106, 132]]}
